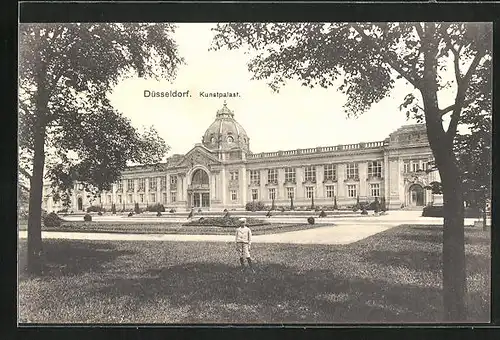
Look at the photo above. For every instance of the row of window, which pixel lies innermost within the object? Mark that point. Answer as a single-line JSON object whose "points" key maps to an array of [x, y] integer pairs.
{"points": [[416, 165], [151, 198], [152, 183], [330, 173], [352, 191]]}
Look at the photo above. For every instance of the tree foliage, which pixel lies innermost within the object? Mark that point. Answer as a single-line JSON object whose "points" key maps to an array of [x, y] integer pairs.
{"points": [[77, 65], [366, 61], [68, 130]]}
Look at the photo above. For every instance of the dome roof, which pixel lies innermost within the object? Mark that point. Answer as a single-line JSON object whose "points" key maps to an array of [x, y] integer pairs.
{"points": [[225, 133]]}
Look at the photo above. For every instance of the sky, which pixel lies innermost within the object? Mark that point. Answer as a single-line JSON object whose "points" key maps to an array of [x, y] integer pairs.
{"points": [[296, 117]]}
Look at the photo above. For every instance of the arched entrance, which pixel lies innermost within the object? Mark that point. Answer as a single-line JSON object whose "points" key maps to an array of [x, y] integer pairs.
{"points": [[416, 195], [80, 204], [199, 190]]}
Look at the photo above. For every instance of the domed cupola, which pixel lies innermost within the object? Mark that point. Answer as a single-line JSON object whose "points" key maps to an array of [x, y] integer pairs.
{"points": [[225, 133]]}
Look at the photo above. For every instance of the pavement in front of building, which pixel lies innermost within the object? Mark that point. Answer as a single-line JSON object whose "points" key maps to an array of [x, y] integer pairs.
{"points": [[338, 234], [333, 230]]}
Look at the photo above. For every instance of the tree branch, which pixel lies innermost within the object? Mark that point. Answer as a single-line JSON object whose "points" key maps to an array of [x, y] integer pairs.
{"points": [[419, 29], [24, 172], [460, 98], [392, 63]]}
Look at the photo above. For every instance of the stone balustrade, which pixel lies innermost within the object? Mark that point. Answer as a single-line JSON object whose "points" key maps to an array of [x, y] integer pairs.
{"points": [[319, 149]]}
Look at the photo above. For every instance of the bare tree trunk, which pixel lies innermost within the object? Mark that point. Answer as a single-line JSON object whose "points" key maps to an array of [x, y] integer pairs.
{"points": [[454, 271], [35, 202]]}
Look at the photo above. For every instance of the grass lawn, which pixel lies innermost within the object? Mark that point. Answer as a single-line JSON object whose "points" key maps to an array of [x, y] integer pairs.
{"points": [[168, 228], [393, 276]]}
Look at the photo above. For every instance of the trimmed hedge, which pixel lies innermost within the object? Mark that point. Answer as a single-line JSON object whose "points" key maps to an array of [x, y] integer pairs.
{"points": [[87, 218], [437, 211], [310, 220], [224, 222], [255, 206]]}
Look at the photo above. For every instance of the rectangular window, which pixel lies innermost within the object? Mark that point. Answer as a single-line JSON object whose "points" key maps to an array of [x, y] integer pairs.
{"points": [[152, 184], [141, 198], [351, 190], [173, 180], [310, 174], [153, 197], [254, 176], [109, 198], [272, 193], [414, 166], [173, 196], [272, 176], [406, 167], [233, 175], [130, 185], [255, 194], [309, 192], [142, 184], [352, 171], [375, 169], [290, 192], [164, 197], [163, 183], [290, 175], [130, 198], [120, 186], [375, 190], [330, 191], [120, 199], [331, 172], [234, 195]]}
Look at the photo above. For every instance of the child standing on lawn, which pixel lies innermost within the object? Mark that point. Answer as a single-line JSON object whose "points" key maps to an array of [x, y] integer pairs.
{"points": [[243, 242]]}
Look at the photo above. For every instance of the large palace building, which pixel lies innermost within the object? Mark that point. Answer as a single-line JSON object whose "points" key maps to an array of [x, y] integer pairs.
{"points": [[221, 172]]}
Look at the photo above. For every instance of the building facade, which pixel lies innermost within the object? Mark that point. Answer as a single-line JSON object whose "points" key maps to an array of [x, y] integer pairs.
{"points": [[222, 173]]}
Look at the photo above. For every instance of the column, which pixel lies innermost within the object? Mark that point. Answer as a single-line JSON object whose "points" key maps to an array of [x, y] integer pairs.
{"points": [[385, 173], [280, 195], [243, 174], [263, 195], [299, 177], [184, 187], [223, 186], [363, 175], [158, 190], [341, 188], [146, 191], [320, 177], [136, 184]]}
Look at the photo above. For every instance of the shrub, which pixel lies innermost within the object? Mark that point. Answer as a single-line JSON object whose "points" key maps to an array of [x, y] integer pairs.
{"points": [[137, 210], [171, 211], [130, 214], [99, 213], [63, 211], [310, 220], [225, 210], [94, 208], [113, 209], [87, 218], [364, 212], [223, 222], [199, 210], [52, 220], [282, 209], [255, 206], [355, 208], [158, 213], [322, 213]]}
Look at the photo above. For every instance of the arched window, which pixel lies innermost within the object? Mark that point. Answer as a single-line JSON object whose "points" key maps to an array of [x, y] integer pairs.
{"points": [[230, 139], [200, 177]]}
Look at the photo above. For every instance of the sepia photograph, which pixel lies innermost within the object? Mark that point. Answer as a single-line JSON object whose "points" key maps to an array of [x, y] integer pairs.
{"points": [[254, 173]]}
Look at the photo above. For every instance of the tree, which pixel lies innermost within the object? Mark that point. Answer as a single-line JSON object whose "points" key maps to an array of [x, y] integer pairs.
{"points": [[68, 130], [366, 61], [435, 187], [474, 159]]}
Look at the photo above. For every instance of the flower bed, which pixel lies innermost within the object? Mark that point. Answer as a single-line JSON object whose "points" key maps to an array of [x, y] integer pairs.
{"points": [[224, 222]]}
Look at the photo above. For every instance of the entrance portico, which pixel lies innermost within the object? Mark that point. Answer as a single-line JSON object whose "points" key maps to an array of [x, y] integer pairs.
{"points": [[198, 190]]}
